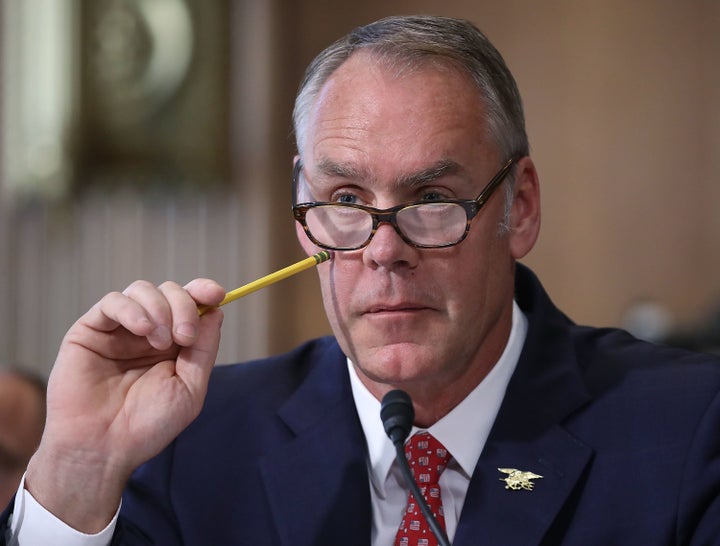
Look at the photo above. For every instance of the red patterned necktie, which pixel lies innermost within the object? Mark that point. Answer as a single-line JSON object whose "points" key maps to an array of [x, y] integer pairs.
{"points": [[427, 458]]}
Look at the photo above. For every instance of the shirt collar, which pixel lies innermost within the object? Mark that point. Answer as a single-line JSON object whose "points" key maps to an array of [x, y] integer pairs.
{"points": [[473, 417]]}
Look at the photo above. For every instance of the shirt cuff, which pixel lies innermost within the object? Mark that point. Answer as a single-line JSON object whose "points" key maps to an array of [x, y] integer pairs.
{"points": [[33, 524]]}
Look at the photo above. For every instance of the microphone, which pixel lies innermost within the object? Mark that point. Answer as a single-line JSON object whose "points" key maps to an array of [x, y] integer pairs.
{"points": [[397, 415]]}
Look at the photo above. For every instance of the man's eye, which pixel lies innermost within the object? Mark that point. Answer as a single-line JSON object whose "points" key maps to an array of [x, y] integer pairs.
{"points": [[346, 198], [433, 196]]}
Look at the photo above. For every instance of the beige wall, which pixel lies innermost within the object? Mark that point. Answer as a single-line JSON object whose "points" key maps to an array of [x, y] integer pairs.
{"points": [[622, 103]]}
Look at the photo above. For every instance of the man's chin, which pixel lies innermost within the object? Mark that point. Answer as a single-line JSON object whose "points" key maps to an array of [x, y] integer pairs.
{"points": [[396, 363]]}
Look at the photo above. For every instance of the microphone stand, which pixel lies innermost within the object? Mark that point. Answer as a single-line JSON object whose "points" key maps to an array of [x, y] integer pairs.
{"points": [[397, 414]]}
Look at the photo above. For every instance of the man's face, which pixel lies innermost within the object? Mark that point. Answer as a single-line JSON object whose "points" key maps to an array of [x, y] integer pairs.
{"points": [[425, 320]]}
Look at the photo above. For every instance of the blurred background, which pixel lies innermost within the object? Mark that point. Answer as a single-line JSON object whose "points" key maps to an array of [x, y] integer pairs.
{"points": [[152, 139]]}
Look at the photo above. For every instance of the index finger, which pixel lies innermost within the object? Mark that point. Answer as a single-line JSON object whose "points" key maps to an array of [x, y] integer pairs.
{"points": [[118, 310]]}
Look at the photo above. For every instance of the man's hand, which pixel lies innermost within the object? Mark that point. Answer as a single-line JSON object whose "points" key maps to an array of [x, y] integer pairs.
{"points": [[130, 375]]}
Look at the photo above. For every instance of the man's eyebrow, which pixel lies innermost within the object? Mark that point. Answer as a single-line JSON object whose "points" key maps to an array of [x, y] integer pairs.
{"points": [[441, 168], [349, 171], [341, 170]]}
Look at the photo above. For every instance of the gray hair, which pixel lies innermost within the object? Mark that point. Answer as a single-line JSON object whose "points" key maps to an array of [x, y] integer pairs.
{"points": [[409, 42]]}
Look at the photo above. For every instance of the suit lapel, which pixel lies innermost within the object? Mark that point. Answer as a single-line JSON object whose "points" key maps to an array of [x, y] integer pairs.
{"points": [[528, 435], [496, 514], [317, 483]]}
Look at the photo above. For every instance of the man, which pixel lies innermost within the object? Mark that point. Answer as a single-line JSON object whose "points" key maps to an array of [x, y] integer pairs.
{"points": [[22, 416], [413, 167]]}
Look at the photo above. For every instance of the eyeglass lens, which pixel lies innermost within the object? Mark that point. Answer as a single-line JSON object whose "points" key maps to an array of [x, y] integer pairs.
{"points": [[427, 224]]}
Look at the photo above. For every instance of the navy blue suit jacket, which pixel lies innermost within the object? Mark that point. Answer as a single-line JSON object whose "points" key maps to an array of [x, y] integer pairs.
{"points": [[625, 434]]}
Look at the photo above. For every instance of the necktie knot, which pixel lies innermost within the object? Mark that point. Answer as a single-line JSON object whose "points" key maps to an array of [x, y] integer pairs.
{"points": [[427, 457]]}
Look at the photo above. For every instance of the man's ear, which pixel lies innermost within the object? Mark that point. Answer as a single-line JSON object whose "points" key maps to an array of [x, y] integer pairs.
{"points": [[525, 212]]}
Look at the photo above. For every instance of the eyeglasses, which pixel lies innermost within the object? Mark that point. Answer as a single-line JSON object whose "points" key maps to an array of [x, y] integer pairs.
{"points": [[422, 224]]}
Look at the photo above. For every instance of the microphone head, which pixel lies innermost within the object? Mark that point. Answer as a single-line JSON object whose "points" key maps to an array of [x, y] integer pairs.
{"points": [[397, 414]]}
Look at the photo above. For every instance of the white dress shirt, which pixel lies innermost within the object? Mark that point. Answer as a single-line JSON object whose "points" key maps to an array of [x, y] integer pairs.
{"points": [[32, 525], [472, 418]]}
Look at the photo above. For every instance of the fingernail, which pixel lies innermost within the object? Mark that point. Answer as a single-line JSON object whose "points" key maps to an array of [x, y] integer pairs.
{"points": [[186, 329]]}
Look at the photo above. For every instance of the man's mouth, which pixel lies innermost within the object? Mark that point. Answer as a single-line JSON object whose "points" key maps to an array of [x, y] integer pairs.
{"points": [[395, 308]]}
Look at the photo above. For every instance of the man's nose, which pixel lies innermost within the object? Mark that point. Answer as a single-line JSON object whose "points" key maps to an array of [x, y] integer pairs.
{"points": [[388, 250]]}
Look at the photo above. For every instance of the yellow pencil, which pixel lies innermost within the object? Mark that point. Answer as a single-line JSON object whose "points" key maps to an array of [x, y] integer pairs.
{"points": [[267, 280]]}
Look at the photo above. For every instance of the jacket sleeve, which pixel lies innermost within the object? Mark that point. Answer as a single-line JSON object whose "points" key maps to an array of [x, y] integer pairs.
{"points": [[146, 515]]}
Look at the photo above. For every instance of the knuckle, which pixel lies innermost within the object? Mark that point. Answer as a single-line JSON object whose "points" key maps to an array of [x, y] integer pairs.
{"points": [[170, 285], [138, 286]]}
